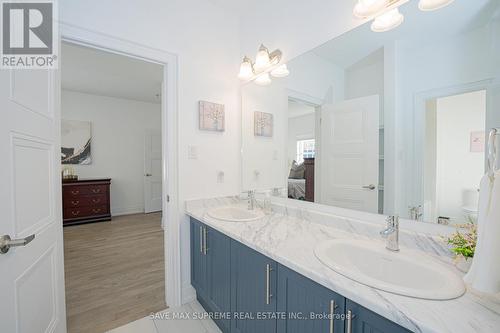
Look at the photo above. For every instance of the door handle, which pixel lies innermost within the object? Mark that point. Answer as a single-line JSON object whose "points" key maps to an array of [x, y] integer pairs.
{"points": [[148, 175], [6, 242], [268, 284], [370, 187], [350, 317]]}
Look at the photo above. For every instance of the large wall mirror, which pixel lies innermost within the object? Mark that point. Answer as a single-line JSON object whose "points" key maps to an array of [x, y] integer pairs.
{"points": [[389, 123]]}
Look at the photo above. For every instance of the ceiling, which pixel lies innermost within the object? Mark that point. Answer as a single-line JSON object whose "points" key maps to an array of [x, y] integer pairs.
{"points": [[418, 27], [98, 72]]}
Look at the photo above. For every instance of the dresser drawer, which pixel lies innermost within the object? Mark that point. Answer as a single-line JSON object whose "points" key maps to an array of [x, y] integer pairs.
{"points": [[82, 212], [78, 190], [85, 200]]}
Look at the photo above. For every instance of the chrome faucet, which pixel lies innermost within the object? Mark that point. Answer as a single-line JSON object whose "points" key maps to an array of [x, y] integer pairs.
{"points": [[251, 200], [391, 233]]}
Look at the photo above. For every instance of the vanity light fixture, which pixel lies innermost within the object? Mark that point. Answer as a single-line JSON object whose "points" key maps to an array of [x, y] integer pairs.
{"points": [[265, 63], [385, 13], [263, 79], [387, 21], [280, 71], [429, 5]]}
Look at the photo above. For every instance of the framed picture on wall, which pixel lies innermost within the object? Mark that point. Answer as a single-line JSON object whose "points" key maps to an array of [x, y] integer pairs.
{"points": [[212, 116], [76, 140], [263, 124]]}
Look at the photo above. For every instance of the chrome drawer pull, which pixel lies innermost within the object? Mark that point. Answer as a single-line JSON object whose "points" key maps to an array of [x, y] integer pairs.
{"points": [[205, 240], [350, 317], [332, 314], [201, 239]]}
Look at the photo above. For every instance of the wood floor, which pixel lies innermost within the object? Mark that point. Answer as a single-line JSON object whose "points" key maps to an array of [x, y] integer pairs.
{"points": [[114, 272]]}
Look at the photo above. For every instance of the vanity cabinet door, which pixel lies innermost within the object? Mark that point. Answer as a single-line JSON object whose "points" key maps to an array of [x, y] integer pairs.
{"points": [[253, 291], [218, 253], [308, 306], [365, 321], [198, 259]]}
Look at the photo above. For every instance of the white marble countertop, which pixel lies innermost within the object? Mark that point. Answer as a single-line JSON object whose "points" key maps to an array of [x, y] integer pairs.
{"points": [[289, 236]]}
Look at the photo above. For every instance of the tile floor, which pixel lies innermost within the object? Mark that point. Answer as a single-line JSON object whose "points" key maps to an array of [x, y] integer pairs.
{"points": [[158, 325]]}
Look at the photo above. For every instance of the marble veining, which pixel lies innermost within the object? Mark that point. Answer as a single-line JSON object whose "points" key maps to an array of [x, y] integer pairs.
{"points": [[289, 235]]}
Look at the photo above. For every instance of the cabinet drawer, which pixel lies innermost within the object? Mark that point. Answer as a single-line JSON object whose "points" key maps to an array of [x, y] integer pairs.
{"points": [[80, 212], [85, 200], [78, 190]]}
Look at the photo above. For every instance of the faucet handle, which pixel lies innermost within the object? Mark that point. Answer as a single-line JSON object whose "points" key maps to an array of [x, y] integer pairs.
{"points": [[393, 221]]}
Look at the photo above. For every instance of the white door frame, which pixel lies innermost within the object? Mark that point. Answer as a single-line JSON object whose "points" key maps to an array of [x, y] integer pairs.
{"points": [[169, 121], [415, 195]]}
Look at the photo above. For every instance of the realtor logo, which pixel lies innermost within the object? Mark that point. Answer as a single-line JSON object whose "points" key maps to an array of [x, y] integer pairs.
{"points": [[28, 35]]}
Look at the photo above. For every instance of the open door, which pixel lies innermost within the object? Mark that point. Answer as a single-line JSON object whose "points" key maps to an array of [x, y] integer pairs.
{"points": [[152, 172], [350, 154], [32, 272]]}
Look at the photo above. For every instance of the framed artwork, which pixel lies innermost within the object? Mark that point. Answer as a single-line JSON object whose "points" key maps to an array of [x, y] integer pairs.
{"points": [[263, 124], [212, 117], [76, 140], [477, 141]]}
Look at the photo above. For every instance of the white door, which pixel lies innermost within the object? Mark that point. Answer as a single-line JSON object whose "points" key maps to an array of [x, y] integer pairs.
{"points": [[152, 172], [350, 154], [31, 276]]}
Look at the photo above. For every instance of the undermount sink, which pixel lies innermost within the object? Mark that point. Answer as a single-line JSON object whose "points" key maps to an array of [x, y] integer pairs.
{"points": [[235, 214], [407, 273]]}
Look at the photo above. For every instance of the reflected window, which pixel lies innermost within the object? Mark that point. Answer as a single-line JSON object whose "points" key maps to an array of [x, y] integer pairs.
{"points": [[305, 149]]}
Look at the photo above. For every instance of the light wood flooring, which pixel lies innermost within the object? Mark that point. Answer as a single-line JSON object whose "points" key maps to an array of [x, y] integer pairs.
{"points": [[114, 272]]}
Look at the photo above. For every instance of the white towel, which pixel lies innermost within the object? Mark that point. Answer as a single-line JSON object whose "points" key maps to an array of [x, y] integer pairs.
{"points": [[484, 274]]}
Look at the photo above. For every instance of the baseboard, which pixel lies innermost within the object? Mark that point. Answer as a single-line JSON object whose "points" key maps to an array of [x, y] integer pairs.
{"points": [[117, 211], [188, 293]]}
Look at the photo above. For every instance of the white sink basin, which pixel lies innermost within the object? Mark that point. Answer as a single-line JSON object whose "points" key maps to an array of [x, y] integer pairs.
{"points": [[407, 273], [235, 214]]}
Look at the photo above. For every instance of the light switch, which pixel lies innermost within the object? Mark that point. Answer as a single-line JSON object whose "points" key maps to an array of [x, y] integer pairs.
{"points": [[192, 152]]}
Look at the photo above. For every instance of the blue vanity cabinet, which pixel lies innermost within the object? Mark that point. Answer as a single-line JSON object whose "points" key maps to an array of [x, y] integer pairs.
{"points": [[308, 306], [211, 271], [253, 291], [366, 321], [198, 259]]}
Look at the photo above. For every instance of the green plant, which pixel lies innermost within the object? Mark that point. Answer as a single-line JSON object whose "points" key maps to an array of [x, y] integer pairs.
{"points": [[464, 240]]}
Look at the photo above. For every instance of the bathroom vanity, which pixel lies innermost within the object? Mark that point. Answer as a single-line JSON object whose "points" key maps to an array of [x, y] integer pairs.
{"points": [[268, 267]]}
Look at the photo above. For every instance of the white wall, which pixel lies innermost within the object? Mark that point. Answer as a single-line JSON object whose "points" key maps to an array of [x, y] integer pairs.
{"points": [[295, 26], [463, 59], [206, 40], [458, 169], [299, 128], [118, 129]]}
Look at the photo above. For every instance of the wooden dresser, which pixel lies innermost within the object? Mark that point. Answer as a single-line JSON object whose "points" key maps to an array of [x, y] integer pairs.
{"points": [[309, 176], [85, 201]]}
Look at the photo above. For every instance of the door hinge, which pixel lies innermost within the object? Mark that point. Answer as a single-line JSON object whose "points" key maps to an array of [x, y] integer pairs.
{"points": [[168, 198]]}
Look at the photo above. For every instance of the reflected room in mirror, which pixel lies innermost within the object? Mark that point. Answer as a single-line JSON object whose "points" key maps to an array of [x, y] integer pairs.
{"points": [[388, 123]]}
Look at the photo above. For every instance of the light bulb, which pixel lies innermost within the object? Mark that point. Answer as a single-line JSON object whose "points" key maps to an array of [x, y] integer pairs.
{"points": [[280, 71], [366, 8], [429, 5], [387, 21], [246, 70], [263, 79], [262, 61]]}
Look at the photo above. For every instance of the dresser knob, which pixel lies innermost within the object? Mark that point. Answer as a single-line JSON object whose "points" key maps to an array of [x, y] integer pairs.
{"points": [[75, 192], [96, 190], [75, 213], [76, 202], [96, 210], [96, 200]]}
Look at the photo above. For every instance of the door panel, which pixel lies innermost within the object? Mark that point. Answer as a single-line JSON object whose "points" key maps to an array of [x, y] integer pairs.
{"points": [[152, 172], [366, 321], [219, 275], [249, 290], [299, 295], [32, 288], [350, 154], [198, 260]]}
